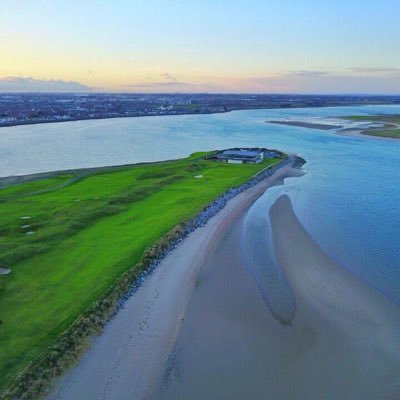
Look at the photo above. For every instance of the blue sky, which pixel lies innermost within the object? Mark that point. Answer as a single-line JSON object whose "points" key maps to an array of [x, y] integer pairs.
{"points": [[218, 46]]}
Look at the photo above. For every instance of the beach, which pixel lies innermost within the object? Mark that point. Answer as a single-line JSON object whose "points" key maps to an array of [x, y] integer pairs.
{"points": [[343, 342], [357, 223], [128, 359], [199, 327], [356, 349]]}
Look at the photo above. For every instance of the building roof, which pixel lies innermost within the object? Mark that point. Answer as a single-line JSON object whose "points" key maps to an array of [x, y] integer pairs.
{"points": [[241, 153]]}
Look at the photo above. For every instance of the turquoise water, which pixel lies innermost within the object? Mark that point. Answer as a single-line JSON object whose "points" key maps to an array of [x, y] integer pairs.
{"points": [[348, 199]]}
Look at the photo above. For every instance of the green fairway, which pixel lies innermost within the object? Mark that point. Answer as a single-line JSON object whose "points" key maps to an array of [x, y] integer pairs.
{"points": [[68, 238]]}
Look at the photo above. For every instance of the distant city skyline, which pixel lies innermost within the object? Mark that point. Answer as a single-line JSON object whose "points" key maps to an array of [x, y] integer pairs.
{"points": [[220, 46]]}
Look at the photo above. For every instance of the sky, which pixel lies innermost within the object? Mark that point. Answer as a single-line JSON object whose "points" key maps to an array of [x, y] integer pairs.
{"points": [[227, 46]]}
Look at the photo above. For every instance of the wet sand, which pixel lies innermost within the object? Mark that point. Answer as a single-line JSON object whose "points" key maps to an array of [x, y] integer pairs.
{"points": [[339, 129], [363, 134], [305, 124], [343, 342], [128, 359]]}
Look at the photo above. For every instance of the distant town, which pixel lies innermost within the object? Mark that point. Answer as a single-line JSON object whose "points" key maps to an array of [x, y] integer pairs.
{"points": [[31, 108]]}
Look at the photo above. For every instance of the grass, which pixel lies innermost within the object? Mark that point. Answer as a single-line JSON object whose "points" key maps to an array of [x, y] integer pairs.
{"points": [[394, 118], [87, 233], [391, 129], [35, 186], [390, 133]]}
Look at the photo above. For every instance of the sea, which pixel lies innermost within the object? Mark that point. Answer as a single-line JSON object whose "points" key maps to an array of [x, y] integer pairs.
{"points": [[348, 198]]}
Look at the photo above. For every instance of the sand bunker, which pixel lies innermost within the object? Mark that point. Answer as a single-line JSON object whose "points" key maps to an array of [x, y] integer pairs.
{"points": [[4, 270], [198, 176]]}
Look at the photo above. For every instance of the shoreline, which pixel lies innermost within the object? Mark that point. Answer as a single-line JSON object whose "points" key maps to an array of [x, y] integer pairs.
{"points": [[304, 124], [340, 309], [336, 129], [9, 125], [81, 172], [94, 319], [158, 305], [116, 116], [358, 133], [343, 341]]}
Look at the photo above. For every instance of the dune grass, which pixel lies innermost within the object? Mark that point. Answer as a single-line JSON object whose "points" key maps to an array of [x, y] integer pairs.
{"points": [[87, 231]]}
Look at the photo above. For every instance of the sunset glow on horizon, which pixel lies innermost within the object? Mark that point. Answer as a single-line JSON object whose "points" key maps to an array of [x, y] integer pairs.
{"points": [[210, 46]]}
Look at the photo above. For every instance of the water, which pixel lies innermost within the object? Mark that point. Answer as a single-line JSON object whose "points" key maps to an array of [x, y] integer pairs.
{"points": [[229, 345], [258, 255], [348, 199]]}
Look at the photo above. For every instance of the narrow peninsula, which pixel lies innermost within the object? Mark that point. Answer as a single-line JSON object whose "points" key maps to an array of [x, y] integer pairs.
{"points": [[92, 235]]}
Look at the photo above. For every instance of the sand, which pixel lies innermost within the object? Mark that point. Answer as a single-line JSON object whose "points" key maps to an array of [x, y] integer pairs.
{"points": [[361, 133], [355, 327], [343, 343], [129, 358], [305, 124], [336, 128], [200, 327]]}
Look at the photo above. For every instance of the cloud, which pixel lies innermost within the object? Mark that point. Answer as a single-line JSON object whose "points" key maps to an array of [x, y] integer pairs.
{"points": [[374, 70], [307, 73], [29, 84], [327, 83], [168, 77], [173, 85], [159, 84], [295, 81]]}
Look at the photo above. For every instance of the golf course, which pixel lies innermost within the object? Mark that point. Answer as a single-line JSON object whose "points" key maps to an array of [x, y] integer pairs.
{"points": [[68, 238]]}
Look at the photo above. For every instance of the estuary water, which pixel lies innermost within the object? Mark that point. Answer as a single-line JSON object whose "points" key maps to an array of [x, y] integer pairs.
{"points": [[348, 198]]}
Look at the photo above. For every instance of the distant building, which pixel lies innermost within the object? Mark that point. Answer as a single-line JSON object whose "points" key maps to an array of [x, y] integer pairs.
{"points": [[244, 155], [7, 119]]}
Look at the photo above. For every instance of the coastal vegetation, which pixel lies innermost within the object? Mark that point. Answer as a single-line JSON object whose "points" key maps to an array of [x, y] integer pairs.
{"points": [[75, 242], [384, 125], [390, 124]]}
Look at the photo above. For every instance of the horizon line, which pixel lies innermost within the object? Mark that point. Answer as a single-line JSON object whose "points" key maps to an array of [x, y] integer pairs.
{"points": [[214, 93]]}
